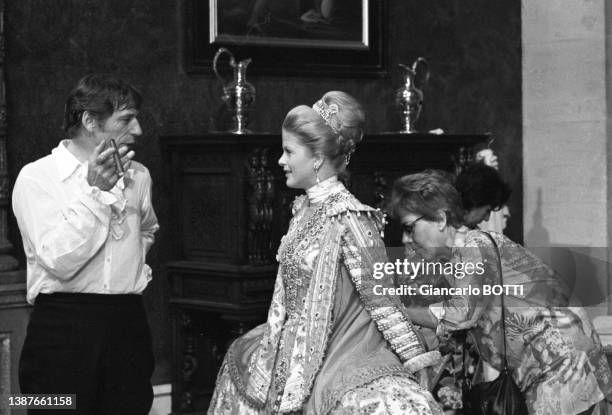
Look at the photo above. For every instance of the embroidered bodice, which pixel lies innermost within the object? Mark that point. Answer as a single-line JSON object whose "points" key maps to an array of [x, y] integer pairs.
{"points": [[300, 247], [299, 251]]}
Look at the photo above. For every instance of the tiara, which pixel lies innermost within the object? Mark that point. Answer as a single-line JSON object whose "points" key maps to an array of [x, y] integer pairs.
{"points": [[326, 112]]}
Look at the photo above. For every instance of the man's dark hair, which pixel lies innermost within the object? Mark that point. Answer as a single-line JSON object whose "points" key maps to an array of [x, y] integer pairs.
{"points": [[100, 95], [480, 185]]}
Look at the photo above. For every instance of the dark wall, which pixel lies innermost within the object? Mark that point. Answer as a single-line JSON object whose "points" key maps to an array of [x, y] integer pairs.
{"points": [[473, 50]]}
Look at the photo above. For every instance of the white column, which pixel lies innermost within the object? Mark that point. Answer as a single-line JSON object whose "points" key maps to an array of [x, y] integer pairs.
{"points": [[565, 148]]}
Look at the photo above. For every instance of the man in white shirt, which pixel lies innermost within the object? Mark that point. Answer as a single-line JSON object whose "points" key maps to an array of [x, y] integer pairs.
{"points": [[86, 227]]}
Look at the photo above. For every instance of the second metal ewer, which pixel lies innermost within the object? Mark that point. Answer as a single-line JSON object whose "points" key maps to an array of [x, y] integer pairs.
{"points": [[238, 94]]}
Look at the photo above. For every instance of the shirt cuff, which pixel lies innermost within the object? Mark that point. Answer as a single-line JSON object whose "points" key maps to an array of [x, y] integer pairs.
{"points": [[102, 196]]}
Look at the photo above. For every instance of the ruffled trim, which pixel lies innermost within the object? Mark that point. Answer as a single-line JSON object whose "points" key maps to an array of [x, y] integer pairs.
{"points": [[320, 192], [350, 204], [309, 381], [347, 204], [359, 379], [118, 208], [101, 196], [235, 378], [298, 204]]}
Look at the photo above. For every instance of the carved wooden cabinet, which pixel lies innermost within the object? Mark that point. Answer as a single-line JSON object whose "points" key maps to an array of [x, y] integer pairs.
{"points": [[230, 208]]}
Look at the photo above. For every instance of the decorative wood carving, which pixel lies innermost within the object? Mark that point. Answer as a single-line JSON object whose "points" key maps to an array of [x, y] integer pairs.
{"points": [[463, 158], [260, 208], [190, 364]]}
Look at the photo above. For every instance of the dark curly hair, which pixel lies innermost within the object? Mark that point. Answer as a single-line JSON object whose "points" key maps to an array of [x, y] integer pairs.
{"points": [[100, 95], [480, 185]]}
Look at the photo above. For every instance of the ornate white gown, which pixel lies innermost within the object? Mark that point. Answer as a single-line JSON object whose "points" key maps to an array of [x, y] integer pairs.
{"points": [[329, 345]]}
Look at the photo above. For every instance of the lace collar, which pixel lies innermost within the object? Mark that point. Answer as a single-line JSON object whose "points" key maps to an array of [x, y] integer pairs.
{"points": [[320, 192]]}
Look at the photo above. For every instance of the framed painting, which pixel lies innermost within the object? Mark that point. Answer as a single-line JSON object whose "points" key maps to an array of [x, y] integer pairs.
{"points": [[290, 37]]}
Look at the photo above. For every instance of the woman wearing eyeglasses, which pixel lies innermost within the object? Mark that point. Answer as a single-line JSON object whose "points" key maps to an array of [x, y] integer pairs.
{"points": [[554, 353], [330, 345]]}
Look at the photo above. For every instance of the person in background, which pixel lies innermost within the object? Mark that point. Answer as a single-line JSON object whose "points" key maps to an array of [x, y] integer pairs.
{"points": [[482, 192], [87, 222], [498, 218]]}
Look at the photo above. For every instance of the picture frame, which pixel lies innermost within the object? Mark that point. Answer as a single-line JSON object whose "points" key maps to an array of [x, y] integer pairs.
{"points": [[290, 37]]}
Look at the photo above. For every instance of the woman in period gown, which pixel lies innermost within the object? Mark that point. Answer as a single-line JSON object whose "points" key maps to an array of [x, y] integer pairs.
{"points": [[330, 345], [554, 354]]}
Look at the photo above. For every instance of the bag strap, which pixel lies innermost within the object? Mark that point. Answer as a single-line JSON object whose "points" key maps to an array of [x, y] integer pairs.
{"points": [[503, 312]]}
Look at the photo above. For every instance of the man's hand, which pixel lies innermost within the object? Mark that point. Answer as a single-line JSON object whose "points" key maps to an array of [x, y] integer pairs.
{"points": [[102, 172]]}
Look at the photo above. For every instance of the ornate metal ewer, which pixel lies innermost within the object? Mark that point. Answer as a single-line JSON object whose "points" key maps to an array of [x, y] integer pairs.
{"points": [[238, 94], [410, 98]]}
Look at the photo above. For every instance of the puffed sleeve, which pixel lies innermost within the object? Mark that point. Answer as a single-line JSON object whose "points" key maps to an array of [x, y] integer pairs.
{"points": [[60, 240], [362, 247]]}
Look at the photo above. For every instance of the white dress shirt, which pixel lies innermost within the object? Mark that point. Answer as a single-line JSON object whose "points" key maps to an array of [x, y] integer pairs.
{"points": [[78, 238]]}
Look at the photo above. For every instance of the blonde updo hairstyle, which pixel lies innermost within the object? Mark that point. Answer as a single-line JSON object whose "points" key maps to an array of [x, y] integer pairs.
{"points": [[318, 135]]}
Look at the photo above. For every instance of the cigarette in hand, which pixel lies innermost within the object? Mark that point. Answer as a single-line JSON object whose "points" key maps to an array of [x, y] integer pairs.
{"points": [[117, 159]]}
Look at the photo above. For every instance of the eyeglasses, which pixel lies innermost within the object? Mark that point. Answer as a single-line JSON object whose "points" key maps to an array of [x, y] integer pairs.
{"points": [[408, 228]]}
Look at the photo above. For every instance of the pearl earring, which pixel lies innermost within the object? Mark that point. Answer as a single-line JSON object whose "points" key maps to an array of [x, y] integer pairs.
{"points": [[316, 168]]}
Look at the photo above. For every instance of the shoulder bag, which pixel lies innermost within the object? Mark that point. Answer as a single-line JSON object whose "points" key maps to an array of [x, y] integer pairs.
{"points": [[501, 396]]}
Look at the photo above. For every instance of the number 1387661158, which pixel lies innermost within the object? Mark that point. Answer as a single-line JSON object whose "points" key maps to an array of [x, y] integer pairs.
{"points": [[42, 401]]}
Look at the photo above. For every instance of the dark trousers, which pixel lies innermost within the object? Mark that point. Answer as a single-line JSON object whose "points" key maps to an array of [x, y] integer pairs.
{"points": [[93, 345]]}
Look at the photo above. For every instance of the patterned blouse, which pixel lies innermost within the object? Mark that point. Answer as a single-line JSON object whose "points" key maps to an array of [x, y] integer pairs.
{"points": [[555, 354]]}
